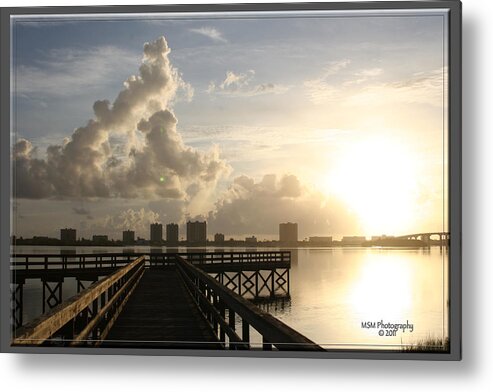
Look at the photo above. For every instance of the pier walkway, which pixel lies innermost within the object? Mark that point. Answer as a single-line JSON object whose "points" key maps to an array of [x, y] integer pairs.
{"points": [[161, 313], [168, 300]]}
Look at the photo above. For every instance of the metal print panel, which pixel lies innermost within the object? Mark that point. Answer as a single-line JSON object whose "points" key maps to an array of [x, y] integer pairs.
{"points": [[276, 180]]}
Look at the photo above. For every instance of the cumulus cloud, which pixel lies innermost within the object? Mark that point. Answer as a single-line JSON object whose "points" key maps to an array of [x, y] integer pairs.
{"points": [[169, 210], [240, 84], [211, 33], [153, 160], [166, 167], [250, 206], [138, 220]]}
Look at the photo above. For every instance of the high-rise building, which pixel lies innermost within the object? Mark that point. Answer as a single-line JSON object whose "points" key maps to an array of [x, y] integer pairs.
{"points": [[219, 238], [156, 233], [172, 234], [68, 236], [288, 232], [251, 240], [128, 237], [196, 232]]}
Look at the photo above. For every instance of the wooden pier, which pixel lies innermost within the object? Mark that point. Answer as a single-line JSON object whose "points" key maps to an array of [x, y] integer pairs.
{"points": [[161, 313], [159, 301]]}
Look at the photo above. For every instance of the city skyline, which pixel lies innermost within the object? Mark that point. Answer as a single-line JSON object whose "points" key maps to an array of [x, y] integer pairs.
{"points": [[331, 139], [287, 235]]}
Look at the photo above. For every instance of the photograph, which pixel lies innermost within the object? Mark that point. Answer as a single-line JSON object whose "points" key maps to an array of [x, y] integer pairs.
{"points": [[243, 180]]}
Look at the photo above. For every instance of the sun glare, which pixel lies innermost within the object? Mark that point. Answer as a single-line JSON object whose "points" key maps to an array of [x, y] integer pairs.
{"points": [[377, 179], [383, 288]]}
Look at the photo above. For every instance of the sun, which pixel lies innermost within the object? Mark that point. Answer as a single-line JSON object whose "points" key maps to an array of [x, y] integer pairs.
{"points": [[377, 178]]}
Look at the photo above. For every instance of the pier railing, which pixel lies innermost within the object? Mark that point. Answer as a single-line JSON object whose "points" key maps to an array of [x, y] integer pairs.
{"points": [[237, 257], [100, 260], [65, 261], [223, 308], [87, 317]]}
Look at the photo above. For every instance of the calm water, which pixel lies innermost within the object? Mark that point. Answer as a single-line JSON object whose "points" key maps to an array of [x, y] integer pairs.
{"points": [[334, 290]]}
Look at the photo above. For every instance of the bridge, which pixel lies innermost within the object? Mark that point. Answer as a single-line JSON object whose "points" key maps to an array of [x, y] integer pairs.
{"points": [[156, 300], [443, 238]]}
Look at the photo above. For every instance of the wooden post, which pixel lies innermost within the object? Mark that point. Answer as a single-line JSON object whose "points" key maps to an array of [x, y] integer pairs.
{"points": [[20, 288], [215, 303], [272, 289], [231, 319], [266, 346], [222, 311], [17, 305], [245, 327], [44, 297], [256, 283], [94, 310]]}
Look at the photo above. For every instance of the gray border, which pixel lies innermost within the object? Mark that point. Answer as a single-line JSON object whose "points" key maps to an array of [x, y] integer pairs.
{"points": [[455, 178]]}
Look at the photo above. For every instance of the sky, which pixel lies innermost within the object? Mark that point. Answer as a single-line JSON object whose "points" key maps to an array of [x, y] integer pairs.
{"points": [[334, 121]]}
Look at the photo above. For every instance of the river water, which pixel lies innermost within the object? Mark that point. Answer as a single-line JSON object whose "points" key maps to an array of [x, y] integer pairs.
{"points": [[333, 291]]}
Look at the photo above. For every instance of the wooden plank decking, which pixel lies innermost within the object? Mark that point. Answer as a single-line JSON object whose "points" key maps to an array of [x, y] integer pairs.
{"points": [[161, 313]]}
